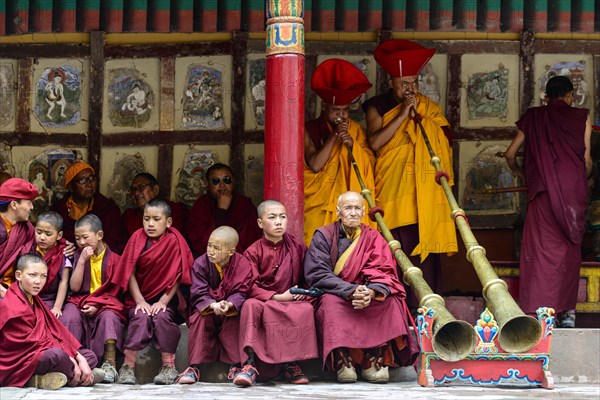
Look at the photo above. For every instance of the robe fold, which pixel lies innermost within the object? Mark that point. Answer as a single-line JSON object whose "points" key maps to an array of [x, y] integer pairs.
{"points": [[277, 332], [56, 261], [205, 217], [322, 189], [12, 246], [26, 331], [211, 337]]}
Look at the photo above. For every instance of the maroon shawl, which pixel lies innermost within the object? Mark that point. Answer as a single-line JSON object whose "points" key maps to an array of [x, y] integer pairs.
{"points": [[27, 331], [55, 260], [22, 235], [554, 162], [133, 218]]}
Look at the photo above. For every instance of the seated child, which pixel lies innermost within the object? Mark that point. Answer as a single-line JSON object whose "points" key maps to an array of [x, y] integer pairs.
{"points": [[220, 280], [99, 310], [36, 348], [276, 326], [155, 262]]}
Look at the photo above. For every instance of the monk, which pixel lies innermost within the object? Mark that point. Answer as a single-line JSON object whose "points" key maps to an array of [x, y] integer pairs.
{"points": [[221, 206], [144, 187], [100, 311], [36, 349], [416, 209], [362, 317], [83, 198], [17, 234], [221, 279], [277, 327], [557, 160], [155, 262], [327, 141]]}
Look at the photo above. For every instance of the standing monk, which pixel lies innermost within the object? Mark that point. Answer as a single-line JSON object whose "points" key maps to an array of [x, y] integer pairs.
{"points": [[557, 161], [416, 210], [327, 140], [362, 318]]}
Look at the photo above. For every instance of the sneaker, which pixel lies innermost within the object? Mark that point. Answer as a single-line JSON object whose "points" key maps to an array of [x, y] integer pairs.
{"points": [[166, 376], [346, 374], [110, 373], [373, 371], [246, 376], [293, 374], [189, 376], [233, 372], [49, 381], [127, 375], [99, 375]]}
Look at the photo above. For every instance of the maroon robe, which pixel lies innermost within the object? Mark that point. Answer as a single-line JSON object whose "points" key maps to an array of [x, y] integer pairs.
{"points": [[26, 331], [211, 337], [205, 217], [557, 191], [276, 331], [133, 217], [55, 260], [384, 321], [12, 246], [104, 208]]}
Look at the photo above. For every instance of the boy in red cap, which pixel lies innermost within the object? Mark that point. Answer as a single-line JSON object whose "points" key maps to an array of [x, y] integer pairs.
{"points": [[417, 211], [327, 140], [16, 232]]}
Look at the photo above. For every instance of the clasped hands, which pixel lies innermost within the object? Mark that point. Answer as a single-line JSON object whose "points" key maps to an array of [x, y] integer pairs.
{"points": [[221, 307], [341, 132], [361, 297]]}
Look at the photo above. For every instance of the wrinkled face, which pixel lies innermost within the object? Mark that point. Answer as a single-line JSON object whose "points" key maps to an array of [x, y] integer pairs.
{"points": [[84, 236], [155, 222], [46, 235], [219, 180], [219, 250], [142, 191], [22, 209], [404, 85], [273, 222], [83, 186], [351, 210], [32, 279], [333, 112]]}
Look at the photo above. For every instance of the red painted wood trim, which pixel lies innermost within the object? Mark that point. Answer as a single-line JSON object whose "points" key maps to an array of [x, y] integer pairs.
{"points": [[422, 20], [564, 21], [350, 21], [209, 21], [232, 20], [137, 21], [374, 20], [492, 21], [91, 20], [256, 21], [540, 21], [162, 21], [445, 20], [327, 20], [185, 20], [114, 21], [307, 20], [515, 21], [42, 21], [67, 21], [399, 20]]}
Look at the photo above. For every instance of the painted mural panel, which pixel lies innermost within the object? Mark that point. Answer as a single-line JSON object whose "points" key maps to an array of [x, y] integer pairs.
{"points": [[487, 94], [255, 92], [8, 93], [254, 163]]}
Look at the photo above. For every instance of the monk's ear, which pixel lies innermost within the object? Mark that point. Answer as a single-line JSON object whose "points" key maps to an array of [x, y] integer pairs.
{"points": [[260, 224], [18, 274], [100, 234], [337, 211], [169, 222], [59, 235]]}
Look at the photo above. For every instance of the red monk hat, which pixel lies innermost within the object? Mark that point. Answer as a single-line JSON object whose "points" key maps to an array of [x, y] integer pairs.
{"points": [[76, 168], [17, 189], [338, 82], [402, 57]]}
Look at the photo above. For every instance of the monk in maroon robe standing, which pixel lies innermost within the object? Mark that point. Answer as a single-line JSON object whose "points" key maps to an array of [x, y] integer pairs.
{"points": [[362, 318], [276, 326], [218, 207], [556, 163], [221, 279]]}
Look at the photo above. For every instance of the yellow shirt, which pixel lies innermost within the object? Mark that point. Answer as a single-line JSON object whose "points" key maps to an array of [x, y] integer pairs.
{"points": [[9, 276], [96, 271]]}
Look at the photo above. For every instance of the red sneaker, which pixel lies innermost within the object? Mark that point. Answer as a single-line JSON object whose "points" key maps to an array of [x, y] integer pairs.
{"points": [[246, 376], [294, 374]]}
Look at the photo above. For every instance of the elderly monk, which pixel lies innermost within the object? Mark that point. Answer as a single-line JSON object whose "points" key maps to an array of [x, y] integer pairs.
{"points": [[362, 317], [327, 141], [17, 234], [221, 206], [83, 198], [144, 187], [416, 210]]}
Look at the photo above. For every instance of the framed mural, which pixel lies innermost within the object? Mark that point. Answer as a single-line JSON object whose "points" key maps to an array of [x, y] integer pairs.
{"points": [[433, 79], [6, 163], [254, 118], [8, 94], [490, 90], [254, 162], [131, 97], [203, 92]]}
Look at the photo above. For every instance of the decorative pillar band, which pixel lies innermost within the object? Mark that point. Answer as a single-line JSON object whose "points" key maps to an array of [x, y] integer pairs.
{"points": [[285, 27]]}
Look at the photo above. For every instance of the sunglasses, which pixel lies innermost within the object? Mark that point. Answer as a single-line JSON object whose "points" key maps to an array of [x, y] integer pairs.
{"points": [[83, 181], [226, 180], [139, 188]]}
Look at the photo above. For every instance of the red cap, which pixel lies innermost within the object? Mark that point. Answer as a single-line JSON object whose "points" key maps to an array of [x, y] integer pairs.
{"points": [[402, 57], [17, 189], [338, 82]]}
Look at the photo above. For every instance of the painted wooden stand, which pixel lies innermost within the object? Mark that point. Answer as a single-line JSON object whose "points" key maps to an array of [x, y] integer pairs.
{"points": [[487, 364]]}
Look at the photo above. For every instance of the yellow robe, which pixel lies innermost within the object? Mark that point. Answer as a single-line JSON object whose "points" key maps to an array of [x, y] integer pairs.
{"points": [[405, 180], [322, 189]]}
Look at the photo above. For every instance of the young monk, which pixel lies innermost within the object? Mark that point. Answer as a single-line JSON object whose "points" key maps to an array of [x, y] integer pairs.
{"points": [[16, 232], [98, 304], [36, 347], [155, 262], [275, 325], [220, 281]]}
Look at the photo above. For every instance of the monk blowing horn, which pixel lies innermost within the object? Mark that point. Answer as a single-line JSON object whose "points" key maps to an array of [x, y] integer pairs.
{"points": [[518, 332], [452, 339]]}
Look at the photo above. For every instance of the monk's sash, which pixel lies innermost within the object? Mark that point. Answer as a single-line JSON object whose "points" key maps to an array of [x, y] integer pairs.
{"points": [[341, 262]]}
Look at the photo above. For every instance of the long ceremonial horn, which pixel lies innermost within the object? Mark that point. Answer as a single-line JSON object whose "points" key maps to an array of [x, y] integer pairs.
{"points": [[452, 339], [518, 332]]}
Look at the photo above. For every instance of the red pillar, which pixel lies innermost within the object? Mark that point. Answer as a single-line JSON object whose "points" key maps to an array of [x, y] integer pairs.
{"points": [[284, 110]]}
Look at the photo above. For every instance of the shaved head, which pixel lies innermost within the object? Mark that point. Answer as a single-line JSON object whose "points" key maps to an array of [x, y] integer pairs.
{"points": [[267, 203], [347, 196], [227, 234]]}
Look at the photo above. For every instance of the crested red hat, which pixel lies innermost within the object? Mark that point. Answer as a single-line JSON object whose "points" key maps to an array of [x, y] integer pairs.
{"points": [[17, 189], [338, 81], [402, 57]]}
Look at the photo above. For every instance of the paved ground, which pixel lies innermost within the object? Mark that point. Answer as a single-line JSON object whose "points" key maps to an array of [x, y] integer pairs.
{"points": [[317, 390]]}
